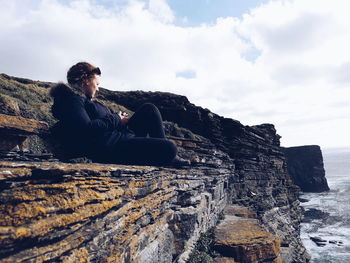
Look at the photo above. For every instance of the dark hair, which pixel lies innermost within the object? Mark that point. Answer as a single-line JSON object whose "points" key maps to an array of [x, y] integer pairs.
{"points": [[81, 71]]}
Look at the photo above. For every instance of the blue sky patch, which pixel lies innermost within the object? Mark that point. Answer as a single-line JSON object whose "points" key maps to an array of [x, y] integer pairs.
{"points": [[196, 12], [252, 54], [186, 74]]}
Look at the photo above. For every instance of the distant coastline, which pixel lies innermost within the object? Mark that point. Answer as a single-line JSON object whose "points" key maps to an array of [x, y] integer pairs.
{"points": [[328, 150]]}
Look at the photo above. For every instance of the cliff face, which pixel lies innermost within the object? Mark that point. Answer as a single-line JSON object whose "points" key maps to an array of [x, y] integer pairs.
{"points": [[105, 213], [145, 214], [260, 182], [305, 167]]}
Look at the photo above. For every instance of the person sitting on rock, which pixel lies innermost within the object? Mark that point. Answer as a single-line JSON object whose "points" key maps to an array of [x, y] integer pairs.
{"points": [[90, 129]]}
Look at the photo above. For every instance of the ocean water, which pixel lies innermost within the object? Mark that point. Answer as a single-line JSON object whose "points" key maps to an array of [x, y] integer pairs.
{"points": [[327, 214]]}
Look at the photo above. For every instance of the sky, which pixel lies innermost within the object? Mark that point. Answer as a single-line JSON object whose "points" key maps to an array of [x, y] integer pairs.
{"points": [[285, 62]]}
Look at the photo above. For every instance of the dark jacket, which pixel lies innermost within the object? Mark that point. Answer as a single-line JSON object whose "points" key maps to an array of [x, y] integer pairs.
{"points": [[85, 127]]}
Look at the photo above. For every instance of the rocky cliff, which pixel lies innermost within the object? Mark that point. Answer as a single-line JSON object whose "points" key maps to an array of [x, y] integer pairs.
{"points": [[62, 212], [305, 167], [105, 213], [260, 182]]}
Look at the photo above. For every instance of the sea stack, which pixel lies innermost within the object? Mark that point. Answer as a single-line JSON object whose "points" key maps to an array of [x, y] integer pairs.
{"points": [[305, 167]]}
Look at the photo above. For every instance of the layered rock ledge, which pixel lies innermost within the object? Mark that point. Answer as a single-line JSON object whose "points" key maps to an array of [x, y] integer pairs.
{"points": [[105, 213]]}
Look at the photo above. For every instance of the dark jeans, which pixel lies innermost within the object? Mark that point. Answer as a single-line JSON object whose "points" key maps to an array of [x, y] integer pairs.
{"points": [[152, 150]]}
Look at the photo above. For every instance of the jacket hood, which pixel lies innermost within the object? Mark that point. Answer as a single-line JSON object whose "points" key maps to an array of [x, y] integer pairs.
{"points": [[61, 93], [61, 90]]}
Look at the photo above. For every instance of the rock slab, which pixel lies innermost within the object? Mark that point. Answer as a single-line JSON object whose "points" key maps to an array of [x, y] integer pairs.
{"points": [[243, 239]]}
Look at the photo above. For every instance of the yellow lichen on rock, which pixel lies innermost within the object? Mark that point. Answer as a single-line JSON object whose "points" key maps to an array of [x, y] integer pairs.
{"points": [[242, 233], [21, 124], [8, 173], [80, 255], [69, 211], [239, 211], [244, 239], [21, 232]]}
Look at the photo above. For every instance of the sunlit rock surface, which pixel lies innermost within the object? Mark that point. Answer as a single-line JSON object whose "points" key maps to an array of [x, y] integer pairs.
{"points": [[96, 212], [241, 237]]}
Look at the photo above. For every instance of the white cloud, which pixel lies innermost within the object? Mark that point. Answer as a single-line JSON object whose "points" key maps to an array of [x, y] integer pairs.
{"points": [[296, 76], [161, 9]]}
